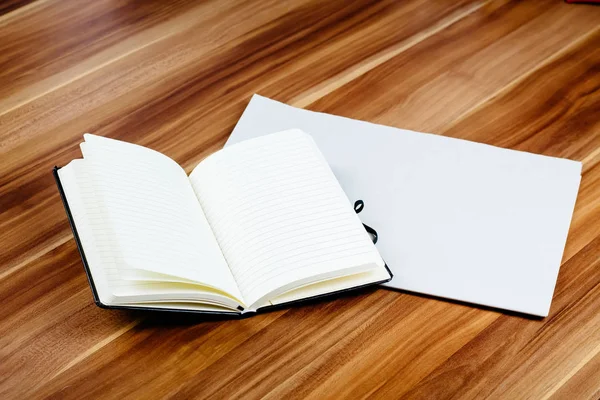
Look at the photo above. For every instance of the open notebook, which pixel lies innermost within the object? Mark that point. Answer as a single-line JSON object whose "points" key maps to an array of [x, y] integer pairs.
{"points": [[258, 224]]}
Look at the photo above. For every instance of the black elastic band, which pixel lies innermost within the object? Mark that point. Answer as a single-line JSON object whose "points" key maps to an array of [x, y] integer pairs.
{"points": [[358, 207]]}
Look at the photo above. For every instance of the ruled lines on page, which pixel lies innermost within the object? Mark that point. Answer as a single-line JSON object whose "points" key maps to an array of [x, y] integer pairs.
{"points": [[157, 222], [103, 257], [279, 214]]}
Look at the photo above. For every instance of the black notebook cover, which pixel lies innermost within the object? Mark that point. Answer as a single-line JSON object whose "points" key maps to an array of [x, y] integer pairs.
{"points": [[227, 313]]}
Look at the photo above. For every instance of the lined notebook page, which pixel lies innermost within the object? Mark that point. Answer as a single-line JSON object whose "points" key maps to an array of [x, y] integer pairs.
{"points": [[155, 218], [102, 253], [280, 216], [84, 209]]}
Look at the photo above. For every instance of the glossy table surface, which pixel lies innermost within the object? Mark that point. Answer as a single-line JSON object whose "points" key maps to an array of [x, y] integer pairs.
{"points": [[176, 76]]}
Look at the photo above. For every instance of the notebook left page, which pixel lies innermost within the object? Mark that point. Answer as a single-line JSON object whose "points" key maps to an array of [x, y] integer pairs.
{"points": [[159, 231]]}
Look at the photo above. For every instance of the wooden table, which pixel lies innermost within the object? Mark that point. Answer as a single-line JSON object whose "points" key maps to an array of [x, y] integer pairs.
{"points": [[175, 76]]}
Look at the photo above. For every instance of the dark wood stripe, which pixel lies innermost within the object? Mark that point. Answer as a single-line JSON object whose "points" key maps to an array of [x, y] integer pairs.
{"points": [[7, 6]]}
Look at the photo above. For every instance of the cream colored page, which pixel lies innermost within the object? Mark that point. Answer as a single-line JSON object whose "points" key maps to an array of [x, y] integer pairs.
{"points": [[157, 222], [279, 215], [332, 285], [84, 210], [102, 252]]}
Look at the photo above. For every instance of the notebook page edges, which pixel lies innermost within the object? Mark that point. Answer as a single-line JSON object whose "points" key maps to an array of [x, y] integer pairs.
{"points": [[338, 284], [280, 216], [156, 222]]}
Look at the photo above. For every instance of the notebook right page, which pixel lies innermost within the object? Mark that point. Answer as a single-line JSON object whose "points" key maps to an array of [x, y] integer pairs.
{"points": [[280, 216]]}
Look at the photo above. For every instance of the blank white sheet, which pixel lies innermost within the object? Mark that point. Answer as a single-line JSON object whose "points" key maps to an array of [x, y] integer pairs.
{"points": [[456, 219]]}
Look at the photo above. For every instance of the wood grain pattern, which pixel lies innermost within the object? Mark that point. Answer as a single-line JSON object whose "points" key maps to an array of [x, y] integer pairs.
{"points": [[176, 76]]}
